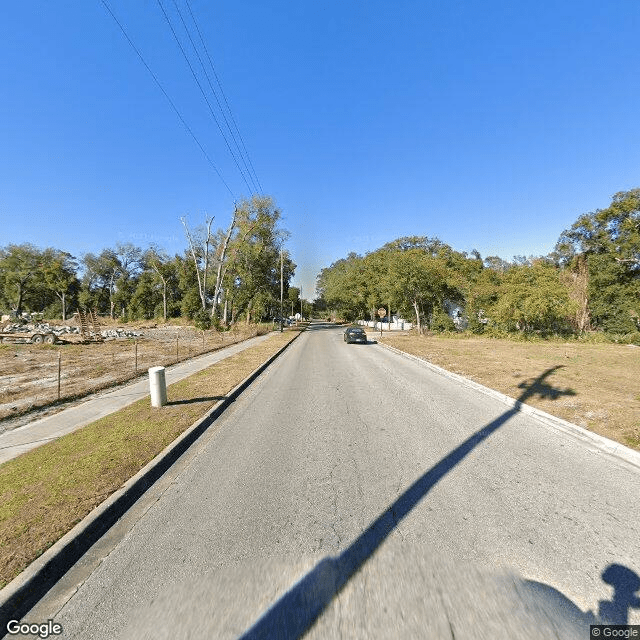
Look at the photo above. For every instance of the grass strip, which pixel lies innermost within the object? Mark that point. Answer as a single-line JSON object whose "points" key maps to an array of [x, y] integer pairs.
{"points": [[45, 492], [592, 385]]}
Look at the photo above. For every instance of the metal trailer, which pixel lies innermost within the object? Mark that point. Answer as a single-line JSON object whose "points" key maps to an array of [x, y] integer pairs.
{"points": [[26, 337]]}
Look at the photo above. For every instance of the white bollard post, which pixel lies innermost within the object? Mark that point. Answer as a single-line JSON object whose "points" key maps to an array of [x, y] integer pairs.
{"points": [[158, 387]]}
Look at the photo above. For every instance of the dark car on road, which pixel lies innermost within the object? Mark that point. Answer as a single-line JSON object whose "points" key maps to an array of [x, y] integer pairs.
{"points": [[355, 334]]}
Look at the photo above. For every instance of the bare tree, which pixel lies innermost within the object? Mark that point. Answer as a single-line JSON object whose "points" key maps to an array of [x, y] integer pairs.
{"points": [[165, 270], [221, 262], [202, 278]]}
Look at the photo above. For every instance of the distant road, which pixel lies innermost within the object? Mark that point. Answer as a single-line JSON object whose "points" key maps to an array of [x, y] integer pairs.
{"points": [[423, 503]]}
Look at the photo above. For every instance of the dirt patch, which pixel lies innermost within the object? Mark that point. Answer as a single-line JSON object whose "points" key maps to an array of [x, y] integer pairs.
{"points": [[29, 373], [592, 385]]}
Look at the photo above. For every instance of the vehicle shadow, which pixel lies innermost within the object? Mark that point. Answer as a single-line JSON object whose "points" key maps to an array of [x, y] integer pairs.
{"points": [[298, 609], [626, 588], [625, 583]]}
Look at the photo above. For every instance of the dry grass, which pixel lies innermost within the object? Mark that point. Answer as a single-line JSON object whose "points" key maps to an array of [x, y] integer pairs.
{"points": [[592, 385], [29, 373], [45, 492]]}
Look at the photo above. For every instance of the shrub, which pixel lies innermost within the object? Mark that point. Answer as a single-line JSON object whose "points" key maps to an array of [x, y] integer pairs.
{"points": [[440, 321], [202, 319]]}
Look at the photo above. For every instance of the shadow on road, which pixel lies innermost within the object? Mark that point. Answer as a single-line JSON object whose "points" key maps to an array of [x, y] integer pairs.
{"points": [[299, 608], [320, 325], [626, 585]]}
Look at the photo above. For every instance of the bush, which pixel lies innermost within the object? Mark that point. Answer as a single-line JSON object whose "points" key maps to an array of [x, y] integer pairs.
{"points": [[441, 321], [626, 338], [190, 304], [202, 319]]}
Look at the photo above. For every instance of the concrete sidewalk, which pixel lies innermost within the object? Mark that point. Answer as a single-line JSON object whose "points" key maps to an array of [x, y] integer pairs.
{"points": [[17, 441]]}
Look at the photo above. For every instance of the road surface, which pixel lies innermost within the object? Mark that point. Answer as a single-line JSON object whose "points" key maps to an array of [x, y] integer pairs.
{"points": [[351, 492]]}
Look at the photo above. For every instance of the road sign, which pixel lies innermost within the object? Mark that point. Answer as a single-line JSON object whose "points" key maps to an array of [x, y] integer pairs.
{"points": [[382, 312]]}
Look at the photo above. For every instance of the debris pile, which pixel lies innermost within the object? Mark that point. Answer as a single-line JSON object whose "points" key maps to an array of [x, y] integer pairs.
{"points": [[121, 333], [45, 328]]}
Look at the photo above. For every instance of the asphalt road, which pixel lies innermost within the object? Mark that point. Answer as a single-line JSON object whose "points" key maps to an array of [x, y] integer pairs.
{"points": [[351, 492]]}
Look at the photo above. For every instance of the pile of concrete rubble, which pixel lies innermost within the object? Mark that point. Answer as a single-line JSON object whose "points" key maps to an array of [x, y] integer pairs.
{"points": [[45, 327], [121, 333]]}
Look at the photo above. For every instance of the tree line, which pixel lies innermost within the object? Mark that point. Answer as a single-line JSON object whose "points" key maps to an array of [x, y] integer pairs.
{"points": [[591, 281], [223, 276]]}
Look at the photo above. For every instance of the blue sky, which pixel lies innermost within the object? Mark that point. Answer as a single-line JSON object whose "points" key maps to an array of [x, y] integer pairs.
{"points": [[492, 125]]}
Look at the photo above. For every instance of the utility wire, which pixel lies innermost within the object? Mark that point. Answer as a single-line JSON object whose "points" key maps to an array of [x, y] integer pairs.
{"points": [[215, 95], [166, 95], [204, 95], [223, 94]]}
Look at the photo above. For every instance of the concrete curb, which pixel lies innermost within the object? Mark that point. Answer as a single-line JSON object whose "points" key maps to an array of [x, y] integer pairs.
{"points": [[24, 591], [603, 445]]}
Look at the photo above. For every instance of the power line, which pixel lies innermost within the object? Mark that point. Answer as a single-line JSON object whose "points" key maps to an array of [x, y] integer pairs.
{"points": [[223, 93], [215, 94], [166, 95], [204, 95]]}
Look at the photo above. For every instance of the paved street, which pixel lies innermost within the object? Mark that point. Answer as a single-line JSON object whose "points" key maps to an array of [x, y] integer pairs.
{"points": [[351, 478]]}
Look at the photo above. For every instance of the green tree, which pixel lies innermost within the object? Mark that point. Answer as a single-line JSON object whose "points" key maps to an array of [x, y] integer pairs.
{"points": [[417, 281], [251, 275], [416, 275], [319, 307], [165, 272], [21, 269], [293, 298], [609, 240], [496, 264], [345, 287], [190, 300], [60, 275], [481, 294], [145, 297], [107, 280], [533, 298], [614, 294]]}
